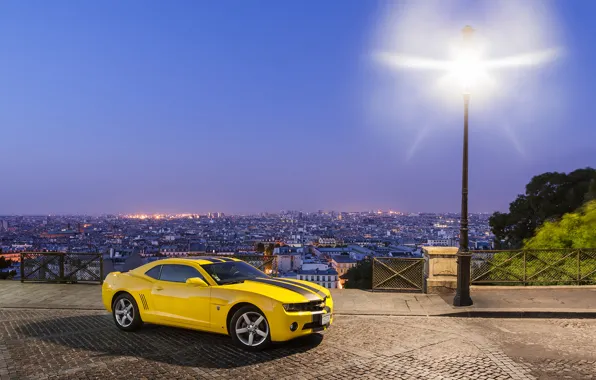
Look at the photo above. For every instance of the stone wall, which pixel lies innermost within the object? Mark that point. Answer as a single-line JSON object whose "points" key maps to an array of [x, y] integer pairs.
{"points": [[441, 269]]}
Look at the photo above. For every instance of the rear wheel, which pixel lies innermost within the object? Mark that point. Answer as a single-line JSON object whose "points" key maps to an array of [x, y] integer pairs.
{"points": [[126, 313], [250, 329]]}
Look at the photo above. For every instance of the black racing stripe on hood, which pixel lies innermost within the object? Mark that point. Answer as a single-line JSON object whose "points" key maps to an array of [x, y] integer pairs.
{"points": [[225, 259], [319, 292], [310, 296]]}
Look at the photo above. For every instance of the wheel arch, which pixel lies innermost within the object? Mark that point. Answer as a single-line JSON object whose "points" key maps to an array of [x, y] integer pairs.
{"points": [[119, 293], [237, 307]]}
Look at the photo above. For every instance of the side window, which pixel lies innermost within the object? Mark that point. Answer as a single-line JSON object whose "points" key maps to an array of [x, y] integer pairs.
{"points": [[178, 273], [154, 272]]}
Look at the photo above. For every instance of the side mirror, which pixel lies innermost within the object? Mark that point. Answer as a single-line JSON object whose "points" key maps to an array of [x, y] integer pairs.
{"points": [[197, 281]]}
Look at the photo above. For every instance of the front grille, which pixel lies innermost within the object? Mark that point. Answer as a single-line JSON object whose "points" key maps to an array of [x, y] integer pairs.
{"points": [[311, 306], [308, 306]]}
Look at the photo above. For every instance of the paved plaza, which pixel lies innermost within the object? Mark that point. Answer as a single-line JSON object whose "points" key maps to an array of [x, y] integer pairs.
{"points": [[71, 338], [75, 344]]}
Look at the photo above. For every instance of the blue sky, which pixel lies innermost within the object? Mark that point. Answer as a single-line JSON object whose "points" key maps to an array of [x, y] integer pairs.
{"points": [[246, 106]]}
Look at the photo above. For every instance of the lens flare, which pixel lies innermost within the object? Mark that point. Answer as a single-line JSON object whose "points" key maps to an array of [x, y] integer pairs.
{"points": [[432, 61]]}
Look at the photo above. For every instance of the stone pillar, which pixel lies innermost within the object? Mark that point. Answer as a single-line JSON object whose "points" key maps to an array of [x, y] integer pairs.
{"points": [[440, 269]]}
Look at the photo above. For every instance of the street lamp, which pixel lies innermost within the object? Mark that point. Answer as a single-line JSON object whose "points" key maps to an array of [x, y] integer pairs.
{"points": [[462, 295], [470, 70]]}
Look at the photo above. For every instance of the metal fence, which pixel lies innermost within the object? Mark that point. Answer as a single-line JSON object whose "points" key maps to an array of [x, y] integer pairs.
{"points": [[61, 267], [392, 273], [534, 267]]}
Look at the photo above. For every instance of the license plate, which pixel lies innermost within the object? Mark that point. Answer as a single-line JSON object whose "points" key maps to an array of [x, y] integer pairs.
{"points": [[325, 319]]}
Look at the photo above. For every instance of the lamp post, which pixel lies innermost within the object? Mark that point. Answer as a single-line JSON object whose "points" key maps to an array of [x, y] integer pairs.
{"points": [[462, 295], [468, 68]]}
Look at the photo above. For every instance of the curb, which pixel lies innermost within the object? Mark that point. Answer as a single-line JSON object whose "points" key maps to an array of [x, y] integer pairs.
{"points": [[482, 288], [521, 314], [535, 314]]}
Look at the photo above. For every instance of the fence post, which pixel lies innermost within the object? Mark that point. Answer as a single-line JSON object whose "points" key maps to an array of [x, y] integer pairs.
{"points": [[372, 280], [61, 274], [100, 269], [22, 267], [525, 271], [579, 271]]}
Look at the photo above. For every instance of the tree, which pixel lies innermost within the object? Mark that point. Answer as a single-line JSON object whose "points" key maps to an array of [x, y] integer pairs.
{"points": [[574, 230], [4, 263], [269, 249], [548, 197], [360, 276], [591, 192], [260, 247]]}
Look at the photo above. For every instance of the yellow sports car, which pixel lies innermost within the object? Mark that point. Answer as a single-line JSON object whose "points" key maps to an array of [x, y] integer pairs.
{"points": [[220, 295]]}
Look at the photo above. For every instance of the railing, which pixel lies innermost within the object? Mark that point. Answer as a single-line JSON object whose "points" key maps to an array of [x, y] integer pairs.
{"points": [[534, 267], [392, 273], [266, 263], [61, 267]]}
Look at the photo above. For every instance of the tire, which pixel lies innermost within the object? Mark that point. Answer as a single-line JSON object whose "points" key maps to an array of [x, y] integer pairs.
{"points": [[253, 336], [122, 318]]}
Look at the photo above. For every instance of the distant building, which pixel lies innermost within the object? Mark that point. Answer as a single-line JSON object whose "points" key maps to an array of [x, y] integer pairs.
{"points": [[332, 251], [289, 262], [314, 266], [483, 245], [120, 253], [442, 242], [343, 263], [327, 241], [59, 234], [327, 278], [173, 251]]}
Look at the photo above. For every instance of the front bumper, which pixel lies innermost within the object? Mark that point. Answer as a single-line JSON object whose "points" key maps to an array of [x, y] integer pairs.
{"points": [[308, 322]]}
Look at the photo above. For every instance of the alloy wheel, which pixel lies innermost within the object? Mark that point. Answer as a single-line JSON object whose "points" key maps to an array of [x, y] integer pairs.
{"points": [[125, 312], [252, 329]]}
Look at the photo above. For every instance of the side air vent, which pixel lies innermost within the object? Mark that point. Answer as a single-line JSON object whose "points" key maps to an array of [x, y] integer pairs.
{"points": [[144, 301]]}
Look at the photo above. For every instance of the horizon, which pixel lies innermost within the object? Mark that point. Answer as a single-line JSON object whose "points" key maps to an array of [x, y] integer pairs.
{"points": [[181, 215], [285, 105]]}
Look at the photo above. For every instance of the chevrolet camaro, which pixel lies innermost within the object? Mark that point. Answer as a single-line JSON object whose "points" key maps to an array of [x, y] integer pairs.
{"points": [[219, 295]]}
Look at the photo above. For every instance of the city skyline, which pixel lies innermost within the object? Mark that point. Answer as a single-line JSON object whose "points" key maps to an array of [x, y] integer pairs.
{"points": [[221, 214], [185, 106]]}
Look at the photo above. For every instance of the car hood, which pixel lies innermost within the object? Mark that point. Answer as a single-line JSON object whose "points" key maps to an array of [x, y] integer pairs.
{"points": [[282, 289]]}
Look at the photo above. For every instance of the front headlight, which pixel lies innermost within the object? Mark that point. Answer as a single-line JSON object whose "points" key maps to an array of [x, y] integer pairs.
{"points": [[291, 306]]}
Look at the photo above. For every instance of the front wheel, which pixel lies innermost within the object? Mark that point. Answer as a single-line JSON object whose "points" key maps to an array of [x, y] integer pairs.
{"points": [[249, 329], [126, 313]]}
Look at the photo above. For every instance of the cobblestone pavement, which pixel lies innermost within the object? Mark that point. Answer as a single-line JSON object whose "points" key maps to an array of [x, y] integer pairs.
{"points": [[75, 344]]}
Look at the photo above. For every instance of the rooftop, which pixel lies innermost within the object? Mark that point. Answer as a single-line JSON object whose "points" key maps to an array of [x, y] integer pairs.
{"points": [[344, 259], [316, 271]]}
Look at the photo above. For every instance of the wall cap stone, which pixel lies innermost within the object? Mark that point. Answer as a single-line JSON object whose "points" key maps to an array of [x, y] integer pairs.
{"points": [[434, 251]]}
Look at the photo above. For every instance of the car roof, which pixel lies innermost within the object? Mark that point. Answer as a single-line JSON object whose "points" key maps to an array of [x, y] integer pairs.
{"points": [[202, 260]]}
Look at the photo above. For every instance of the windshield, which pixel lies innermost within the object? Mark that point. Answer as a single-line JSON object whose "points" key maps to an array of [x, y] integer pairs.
{"points": [[232, 272]]}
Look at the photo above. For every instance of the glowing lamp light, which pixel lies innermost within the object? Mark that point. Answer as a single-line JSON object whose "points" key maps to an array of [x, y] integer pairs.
{"points": [[468, 68]]}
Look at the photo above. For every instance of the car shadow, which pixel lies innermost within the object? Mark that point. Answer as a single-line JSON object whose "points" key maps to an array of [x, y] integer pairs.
{"points": [[97, 336]]}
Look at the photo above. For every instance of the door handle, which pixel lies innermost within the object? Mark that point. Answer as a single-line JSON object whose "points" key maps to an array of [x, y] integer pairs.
{"points": [[158, 288]]}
